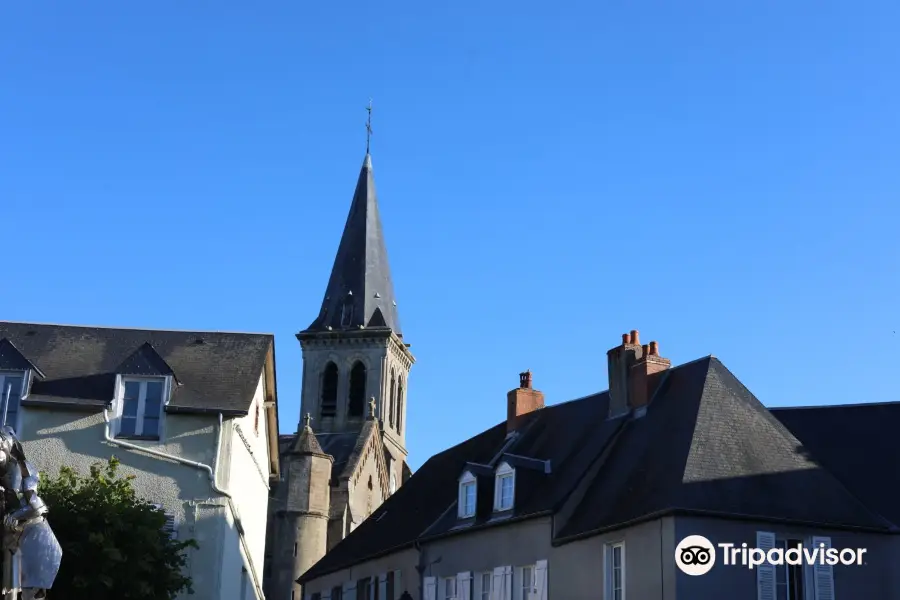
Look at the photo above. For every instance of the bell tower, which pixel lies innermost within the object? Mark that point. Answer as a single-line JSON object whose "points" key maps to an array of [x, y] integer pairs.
{"points": [[354, 350]]}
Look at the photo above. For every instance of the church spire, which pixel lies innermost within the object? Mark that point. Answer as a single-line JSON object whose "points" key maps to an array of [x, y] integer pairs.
{"points": [[360, 291]]}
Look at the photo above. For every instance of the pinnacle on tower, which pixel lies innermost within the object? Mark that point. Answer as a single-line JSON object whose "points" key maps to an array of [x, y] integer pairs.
{"points": [[306, 442]]}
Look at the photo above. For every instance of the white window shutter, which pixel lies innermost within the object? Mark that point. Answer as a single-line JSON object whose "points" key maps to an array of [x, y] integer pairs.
{"points": [[476, 587], [464, 586], [382, 586], [398, 587], [823, 575], [430, 588], [497, 584], [507, 583], [540, 580], [765, 573]]}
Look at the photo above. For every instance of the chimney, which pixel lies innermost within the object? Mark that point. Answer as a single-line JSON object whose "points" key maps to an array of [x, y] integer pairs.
{"points": [[619, 361], [646, 374], [522, 401]]}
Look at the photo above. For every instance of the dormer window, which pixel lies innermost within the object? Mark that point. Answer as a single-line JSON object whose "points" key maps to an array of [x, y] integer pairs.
{"points": [[468, 488], [139, 407], [12, 383], [504, 487]]}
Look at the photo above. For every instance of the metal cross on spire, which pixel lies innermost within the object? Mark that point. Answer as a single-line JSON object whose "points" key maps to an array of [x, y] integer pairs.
{"points": [[369, 125], [306, 419]]}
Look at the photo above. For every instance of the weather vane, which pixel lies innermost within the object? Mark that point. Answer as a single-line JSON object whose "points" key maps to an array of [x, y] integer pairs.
{"points": [[369, 125]]}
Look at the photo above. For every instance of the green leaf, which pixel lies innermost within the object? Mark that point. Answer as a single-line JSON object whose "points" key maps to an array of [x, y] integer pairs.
{"points": [[100, 515]]}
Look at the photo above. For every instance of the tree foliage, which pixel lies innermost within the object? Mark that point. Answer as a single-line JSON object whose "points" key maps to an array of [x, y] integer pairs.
{"points": [[114, 543]]}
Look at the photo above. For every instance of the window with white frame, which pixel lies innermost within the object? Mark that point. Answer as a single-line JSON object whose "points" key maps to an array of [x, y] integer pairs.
{"points": [[141, 407], [449, 588], [615, 571], [12, 384], [467, 495], [526, 583], [504, 487], [485, 592]]}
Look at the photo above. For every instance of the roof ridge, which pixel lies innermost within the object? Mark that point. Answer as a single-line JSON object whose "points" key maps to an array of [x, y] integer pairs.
{"points": [[606, 391], [117, 328], [826, 406]]}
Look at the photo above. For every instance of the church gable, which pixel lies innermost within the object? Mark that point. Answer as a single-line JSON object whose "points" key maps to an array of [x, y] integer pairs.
{"points": [[366, 473]]}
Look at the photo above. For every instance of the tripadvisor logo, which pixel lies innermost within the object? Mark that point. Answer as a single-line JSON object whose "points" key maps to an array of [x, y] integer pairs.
{"points": [[696, 555]]}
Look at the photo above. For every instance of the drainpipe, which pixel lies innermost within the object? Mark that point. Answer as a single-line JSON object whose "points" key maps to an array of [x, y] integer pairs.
{"points": [[107, 435]]}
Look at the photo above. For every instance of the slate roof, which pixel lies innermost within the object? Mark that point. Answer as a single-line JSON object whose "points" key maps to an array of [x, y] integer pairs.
{"points": [[705, 446], [708, 446], [413, 507], [340, 446], [305, 442], [858, 443], [214, 371], [361, 277]]}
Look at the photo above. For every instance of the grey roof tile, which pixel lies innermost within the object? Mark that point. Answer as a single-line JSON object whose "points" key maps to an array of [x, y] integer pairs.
{"points": [[360, 291], [858, 443], [217, 371], [705, 445]]}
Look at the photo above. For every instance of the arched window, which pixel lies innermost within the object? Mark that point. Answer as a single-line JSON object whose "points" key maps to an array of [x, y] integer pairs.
{"points": [[392, 403], [328, 401], [400, 405], [357, 390]]}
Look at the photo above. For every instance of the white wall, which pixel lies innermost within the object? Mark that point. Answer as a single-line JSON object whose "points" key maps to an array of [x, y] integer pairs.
{"points": [[54, 438], [246, 477]]}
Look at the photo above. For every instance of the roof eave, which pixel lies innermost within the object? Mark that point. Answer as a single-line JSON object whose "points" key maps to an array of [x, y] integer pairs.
{"points": [[686, 512], [271, 407], [309, 575]]}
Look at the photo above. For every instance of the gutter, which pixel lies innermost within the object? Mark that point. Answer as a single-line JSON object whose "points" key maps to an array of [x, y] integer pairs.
{"points": [[687, 512], [210, 472]]}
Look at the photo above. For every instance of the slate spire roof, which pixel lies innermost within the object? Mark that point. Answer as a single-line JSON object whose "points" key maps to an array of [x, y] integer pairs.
{"points": [[360, 291], [305, 442]]}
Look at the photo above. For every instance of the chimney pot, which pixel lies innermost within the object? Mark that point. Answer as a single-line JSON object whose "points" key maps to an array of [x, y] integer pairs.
{"points": [[626, 339], [525, 379], [635, 338], [645, 349], [654, 349]]}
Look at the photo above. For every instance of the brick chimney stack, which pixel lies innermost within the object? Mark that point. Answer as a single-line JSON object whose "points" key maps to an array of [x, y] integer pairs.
{"points": [[633, 373], [646, 374], [522, 401]]}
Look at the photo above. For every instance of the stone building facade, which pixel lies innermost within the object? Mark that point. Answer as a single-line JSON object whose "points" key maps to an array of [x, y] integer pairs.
{"points": [[349, 453]]}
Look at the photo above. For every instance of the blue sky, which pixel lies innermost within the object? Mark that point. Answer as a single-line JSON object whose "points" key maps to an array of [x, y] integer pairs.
{"points": [[721, 176]]}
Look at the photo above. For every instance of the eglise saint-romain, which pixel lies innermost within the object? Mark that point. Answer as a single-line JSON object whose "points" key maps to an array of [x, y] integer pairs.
{"points": [[349, 453]]}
